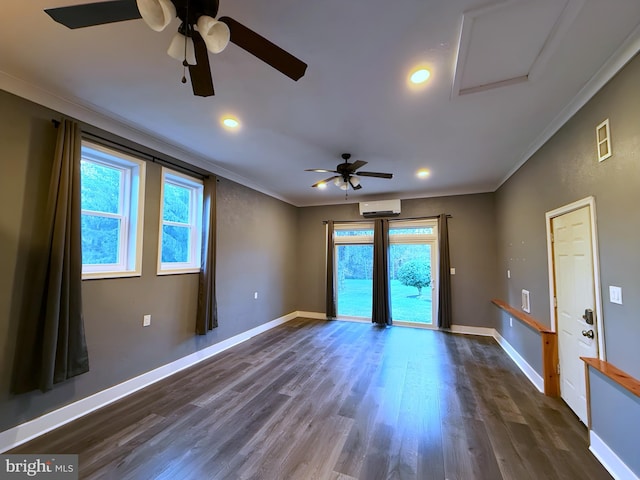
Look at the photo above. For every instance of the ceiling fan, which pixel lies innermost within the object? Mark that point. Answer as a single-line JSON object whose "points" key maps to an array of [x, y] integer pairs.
{"points": [[199, 31], [347, 174]]}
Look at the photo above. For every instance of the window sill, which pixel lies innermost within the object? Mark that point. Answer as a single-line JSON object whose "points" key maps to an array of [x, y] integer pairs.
{"points": [[177, 271], [106, 275]]}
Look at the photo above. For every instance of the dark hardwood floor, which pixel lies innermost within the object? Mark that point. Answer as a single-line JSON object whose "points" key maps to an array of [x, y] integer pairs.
{"points": [[336, 400]]}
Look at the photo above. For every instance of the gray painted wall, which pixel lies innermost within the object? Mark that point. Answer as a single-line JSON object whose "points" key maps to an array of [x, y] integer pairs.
{"points": [[472, 241], [618, 418], [564, 170], [257, 251]]}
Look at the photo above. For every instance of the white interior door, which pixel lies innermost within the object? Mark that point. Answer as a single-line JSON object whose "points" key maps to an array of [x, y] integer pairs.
{"points": [[575, 293]]}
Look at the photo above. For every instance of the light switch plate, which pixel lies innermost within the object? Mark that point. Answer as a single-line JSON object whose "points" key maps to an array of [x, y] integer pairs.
{"points": [[453, 271], [146, 320], [526, 301], [615, 294]]}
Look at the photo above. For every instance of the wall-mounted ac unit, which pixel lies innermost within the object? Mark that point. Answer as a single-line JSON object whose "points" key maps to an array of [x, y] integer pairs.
{"points": [[380, 208]]}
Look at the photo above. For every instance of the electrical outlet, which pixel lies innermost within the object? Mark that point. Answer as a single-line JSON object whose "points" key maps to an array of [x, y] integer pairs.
{"points": [[508, 273], [510, 322], [255, 295], [146, 320]]}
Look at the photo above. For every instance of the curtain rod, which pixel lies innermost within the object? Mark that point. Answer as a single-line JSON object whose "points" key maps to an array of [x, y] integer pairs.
{"points": [[429, 217], [146, 156]]}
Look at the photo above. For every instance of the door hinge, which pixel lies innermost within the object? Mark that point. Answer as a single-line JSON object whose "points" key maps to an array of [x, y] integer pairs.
{"points": [[552, 238], [558, 369], [555, 302]]}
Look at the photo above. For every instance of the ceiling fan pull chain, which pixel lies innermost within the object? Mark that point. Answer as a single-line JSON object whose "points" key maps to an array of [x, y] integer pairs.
{"points": [[185, 64]]}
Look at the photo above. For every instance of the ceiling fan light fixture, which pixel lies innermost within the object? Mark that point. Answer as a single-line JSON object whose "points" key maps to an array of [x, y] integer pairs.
{"points": [[177, 49], [216, 34], [157, 14], [354, 181]]}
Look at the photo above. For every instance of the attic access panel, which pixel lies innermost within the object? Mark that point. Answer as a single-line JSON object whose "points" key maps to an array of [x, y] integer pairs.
{"points": [[509, 42]]}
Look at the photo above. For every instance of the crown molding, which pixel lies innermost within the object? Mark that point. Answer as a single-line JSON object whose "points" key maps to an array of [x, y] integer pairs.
{"points": [[629, 48], [112, 123]]}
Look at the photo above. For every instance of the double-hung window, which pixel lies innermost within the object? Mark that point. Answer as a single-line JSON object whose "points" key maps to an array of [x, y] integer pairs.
{"points": [[112, 203], [180, 241]]}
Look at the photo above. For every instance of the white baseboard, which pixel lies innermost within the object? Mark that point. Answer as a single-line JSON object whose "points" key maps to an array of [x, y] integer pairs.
{"points": [[527, 369], [29, 430], [468, 330], [609, 460], [314, 315]]}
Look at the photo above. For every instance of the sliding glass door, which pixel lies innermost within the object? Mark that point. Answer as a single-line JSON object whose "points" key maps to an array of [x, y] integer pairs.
{"points": [[354, 269], [412, 271]]}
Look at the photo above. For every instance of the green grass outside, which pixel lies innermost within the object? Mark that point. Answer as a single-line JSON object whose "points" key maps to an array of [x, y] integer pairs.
{"points": [[355, 297]]}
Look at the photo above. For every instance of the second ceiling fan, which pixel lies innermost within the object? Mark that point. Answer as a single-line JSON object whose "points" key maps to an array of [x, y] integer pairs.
{"points": [[198, 33], [347, 174]]}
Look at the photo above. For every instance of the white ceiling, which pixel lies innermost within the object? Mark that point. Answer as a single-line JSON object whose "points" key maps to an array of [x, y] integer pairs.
{"points": [[504, 76]]}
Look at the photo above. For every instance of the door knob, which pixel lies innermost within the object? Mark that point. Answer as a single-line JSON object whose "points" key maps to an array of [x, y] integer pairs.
{"points": [[587, 333]]}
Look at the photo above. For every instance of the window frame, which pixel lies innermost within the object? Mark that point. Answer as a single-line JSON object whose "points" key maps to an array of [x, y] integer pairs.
{"points": [[420, 239], [130, 211], [350, 240], [196, 205], [353, 239], [413, 238]]}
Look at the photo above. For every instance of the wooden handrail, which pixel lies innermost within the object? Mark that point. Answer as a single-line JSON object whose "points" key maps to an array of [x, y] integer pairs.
{"points": [[549, 345], [522, 316], [621, 378]]}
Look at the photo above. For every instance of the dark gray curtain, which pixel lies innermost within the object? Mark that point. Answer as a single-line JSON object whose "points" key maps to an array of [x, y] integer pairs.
{"points": [[51, 344], [207, 315], [444, 285], [330, 304], [381, 311]]}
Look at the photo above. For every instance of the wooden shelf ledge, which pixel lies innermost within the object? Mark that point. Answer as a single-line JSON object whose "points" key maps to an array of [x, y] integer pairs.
{"points": [[522, 316], [549, 345], [621, 378]]}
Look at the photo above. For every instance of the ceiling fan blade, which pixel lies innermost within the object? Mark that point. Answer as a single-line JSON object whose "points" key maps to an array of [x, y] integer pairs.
{"points": [[327, 180], [375, 174], [320, 170], [352, 167], [200, 73], [266, 51], [90, 14]]}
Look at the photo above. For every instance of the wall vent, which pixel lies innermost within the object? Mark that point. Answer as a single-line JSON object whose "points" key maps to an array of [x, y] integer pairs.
{"points": [[603, 136]]}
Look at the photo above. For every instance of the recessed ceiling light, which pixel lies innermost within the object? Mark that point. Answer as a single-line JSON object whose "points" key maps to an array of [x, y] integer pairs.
{"points": [[230, 122], [423, 173], [420, 76], [322, 186]]}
